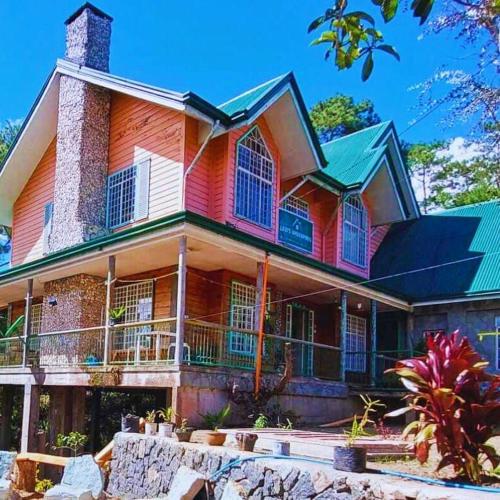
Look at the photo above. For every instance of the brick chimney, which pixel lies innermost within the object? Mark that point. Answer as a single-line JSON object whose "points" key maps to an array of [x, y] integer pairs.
{"points": [[82, 134]]}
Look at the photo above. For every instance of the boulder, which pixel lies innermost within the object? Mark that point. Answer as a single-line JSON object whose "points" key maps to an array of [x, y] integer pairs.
{"points": [[186, 485]]}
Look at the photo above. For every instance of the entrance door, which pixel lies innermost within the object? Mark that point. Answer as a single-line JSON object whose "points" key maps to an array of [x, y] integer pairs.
{"points": [[300, 326]]}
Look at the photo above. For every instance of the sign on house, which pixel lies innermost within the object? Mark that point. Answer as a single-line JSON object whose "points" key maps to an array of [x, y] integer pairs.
{"points": [[295, 231]]}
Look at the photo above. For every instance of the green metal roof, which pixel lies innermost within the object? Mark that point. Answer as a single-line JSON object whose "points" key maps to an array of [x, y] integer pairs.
{"points": [[352, 158], [245, 101], [469, 234]]}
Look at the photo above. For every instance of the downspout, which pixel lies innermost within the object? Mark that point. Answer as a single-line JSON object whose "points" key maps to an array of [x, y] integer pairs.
{"points": [[193, 164]]}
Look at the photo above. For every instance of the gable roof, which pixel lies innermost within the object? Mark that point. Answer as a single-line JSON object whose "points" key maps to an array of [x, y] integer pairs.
{"points": [[468, 234], [352, 158]]}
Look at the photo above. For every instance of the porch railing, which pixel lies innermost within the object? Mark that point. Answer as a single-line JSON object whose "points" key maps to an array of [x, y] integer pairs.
{"points": [[11, 352]]}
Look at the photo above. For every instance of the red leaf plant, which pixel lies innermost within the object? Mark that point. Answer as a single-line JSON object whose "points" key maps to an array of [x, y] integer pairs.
{"points": [[458, 404]]}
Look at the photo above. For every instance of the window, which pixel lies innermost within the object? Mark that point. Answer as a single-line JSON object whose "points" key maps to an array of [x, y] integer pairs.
{"points": [[355, 232], [243, 302], [497, 329], [296, 206], [36, 319], [128, 195], [137, 298], [254, 180], [356, 344]]}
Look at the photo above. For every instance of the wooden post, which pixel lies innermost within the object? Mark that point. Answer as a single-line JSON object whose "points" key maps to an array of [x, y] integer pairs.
{"points": [[31, 413], [181, 301], [373, 342], [27, 320], [110, 297], [343, 333], [262, 272]]}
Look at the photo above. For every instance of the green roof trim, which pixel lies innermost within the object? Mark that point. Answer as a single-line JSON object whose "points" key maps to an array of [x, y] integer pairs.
{"points": [[468, 234], [352, 158], [98, 244]]}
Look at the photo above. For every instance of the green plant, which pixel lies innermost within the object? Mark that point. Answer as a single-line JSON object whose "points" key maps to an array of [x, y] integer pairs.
{"points": [[358, 428], [457, 402], [117, 313], [42, 485], [215, 420], [166, 414], [261, 422], [286, 427], [73, 441], [151, 416], [12, 329], [184, 425]]}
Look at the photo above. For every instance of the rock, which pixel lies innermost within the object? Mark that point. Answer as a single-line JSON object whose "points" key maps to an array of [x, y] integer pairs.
{"points": [[304, 487], [272, 483], [186, 485], [233, 491], [321, 481], [291, 479]]}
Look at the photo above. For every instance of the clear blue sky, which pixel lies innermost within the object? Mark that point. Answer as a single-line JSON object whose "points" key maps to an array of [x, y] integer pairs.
{"points": [[219, 49]]}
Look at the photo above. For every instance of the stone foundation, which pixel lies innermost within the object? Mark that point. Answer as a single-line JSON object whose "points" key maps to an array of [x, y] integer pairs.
{"points": [[80, 299], [144, 467]]}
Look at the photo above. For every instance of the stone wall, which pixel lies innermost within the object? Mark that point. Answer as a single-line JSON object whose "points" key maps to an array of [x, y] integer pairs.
{"points": [[145, 467], [80, 303], [468, 317]]}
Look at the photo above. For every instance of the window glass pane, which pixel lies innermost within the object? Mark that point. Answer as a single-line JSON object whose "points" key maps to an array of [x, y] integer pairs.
{"points": [[355, 234], [356, 344], [121, 197]]}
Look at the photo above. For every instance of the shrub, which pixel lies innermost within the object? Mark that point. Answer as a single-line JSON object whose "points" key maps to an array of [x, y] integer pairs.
{"points": [[214, 421], [457, 402]]}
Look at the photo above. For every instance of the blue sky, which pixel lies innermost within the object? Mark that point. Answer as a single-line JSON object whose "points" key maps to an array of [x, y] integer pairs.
{"points": [[219, 49]]}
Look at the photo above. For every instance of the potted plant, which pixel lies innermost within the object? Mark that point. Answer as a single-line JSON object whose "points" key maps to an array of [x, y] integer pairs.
{"points": [[116, 315], [246, 440], [349, 457], [151, 426], [213, 421], [183, 432], [166, 428]]}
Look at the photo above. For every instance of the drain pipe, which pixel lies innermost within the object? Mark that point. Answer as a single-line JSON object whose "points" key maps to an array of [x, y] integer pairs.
{"points": [[192, 166]]}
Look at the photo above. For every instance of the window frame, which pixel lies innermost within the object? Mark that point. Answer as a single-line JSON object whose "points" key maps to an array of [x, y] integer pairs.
{"points": [[359, 231], [356, 362], [133, 179], [36, 319], [271, 182]]}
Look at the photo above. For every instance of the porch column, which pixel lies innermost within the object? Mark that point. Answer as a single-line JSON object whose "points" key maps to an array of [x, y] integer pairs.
{"points": [[181, 301], [31, 413], [343, 333], [260, 294], [110, 298], [27, 319], [373, 341]]}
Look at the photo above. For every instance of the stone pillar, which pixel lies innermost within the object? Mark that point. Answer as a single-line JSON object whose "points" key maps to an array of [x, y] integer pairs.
{"points": [[373, 342], [181, 301], [82, 135], [31, 414], [343, 334], [80, 303], [6, 405]]}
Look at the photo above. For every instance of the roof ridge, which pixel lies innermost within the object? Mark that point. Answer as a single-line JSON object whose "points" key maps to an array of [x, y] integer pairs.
{"points": [[387, 122], [249, 91], [470, 205]]}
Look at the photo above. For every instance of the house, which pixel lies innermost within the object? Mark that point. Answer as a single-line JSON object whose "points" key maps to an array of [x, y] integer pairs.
{"points": [[204, 224]]}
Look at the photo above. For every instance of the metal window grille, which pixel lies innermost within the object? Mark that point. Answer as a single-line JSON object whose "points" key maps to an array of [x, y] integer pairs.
{"points": [[254, 180], [296, 206], [137, 298], [36, 319], [121, 197], [355, 232], [497, 327], [356, 344]]}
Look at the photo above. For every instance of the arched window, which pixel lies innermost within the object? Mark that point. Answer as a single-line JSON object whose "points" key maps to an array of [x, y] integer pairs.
{"points": [[355, 232], [254, 180]]}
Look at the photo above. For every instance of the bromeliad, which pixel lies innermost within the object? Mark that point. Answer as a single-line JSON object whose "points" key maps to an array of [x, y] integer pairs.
{"points": [[457, 402]]}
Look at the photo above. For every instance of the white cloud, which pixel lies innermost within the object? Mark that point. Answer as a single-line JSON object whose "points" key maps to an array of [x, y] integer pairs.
{"points": [[460, 150]]}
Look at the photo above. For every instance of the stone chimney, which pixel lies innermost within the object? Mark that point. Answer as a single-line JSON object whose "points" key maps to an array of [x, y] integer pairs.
{"points": [[82, 134]]}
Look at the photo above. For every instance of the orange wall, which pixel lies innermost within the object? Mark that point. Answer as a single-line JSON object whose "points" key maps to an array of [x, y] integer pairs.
{"points": [[28, 219]]}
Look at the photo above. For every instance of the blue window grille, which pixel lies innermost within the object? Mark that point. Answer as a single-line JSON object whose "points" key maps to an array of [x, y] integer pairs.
{"points": [[121, 197], [355, 232], [254, 180]]}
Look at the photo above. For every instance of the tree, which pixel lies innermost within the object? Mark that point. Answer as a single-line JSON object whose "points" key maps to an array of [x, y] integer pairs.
{"points": [[352, 35], [340, 115], [8, 134]]}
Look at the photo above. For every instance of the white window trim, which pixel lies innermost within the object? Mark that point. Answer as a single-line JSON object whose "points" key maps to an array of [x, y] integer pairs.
{"points": [[261, 178], [36, 319], [362, 231], [297, 206], [108, 197]]}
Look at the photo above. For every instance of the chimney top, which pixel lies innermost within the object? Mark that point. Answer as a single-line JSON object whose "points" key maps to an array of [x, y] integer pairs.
{"points": [[88, 37], [93, 8]]}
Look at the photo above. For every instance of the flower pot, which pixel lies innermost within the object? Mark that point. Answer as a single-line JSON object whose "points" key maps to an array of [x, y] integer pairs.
{"points": [[183, 436], [214, 438], [166, 429], [349, 458], [150, 428], [246, 440]]}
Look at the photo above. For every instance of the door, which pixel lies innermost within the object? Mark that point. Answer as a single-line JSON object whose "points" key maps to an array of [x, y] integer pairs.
{"points": [[300, 326]]}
